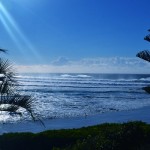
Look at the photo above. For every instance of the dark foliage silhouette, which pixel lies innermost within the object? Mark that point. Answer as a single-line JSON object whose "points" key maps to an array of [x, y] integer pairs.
{"points": [[10, 100], [145, 55]]}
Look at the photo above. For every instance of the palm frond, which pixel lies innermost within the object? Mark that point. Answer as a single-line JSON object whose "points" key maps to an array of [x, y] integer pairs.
{"points": [[3, 50], [6, 69], [7, 87], [9, 108], [10, 101], [144, 55], [24, 102], [147, 38], [147, 89], [18, 101], [5, 66]]}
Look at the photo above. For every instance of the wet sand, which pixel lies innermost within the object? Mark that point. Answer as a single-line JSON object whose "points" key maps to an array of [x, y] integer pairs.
{"points": [[142, 114]]}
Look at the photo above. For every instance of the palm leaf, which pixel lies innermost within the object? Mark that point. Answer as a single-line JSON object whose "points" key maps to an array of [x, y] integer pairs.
{"points": [[10, 108], [3, 50], [6, 88], [147, 89], [9, 101], [147, 38], [7, 75], [13, 103], [144, 55], [5, 67]]}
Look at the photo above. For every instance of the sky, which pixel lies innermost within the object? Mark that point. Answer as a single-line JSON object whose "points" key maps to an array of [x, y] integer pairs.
{"points": [[70, 36]]}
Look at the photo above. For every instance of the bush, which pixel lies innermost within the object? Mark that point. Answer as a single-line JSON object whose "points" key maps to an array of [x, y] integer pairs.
{"points": [[126, 136]]}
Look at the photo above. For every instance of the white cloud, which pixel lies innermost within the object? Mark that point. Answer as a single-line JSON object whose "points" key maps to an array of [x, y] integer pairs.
{"points": [[60, 61], [90, 65]]}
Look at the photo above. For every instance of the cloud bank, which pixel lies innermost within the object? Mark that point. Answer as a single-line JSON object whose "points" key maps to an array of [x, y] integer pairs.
{"points": [[89, 65]]}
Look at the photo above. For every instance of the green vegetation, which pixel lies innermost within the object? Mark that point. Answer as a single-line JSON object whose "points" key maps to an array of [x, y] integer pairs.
{"points": [[126, 136], [10, 99], [145, 55]]}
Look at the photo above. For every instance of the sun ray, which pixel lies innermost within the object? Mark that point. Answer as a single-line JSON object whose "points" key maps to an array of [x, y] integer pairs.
{"points": [[8, 28], [11, 34], [15, 33]]}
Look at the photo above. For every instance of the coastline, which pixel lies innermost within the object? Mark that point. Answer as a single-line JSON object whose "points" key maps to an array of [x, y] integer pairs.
{"points": [[141, 114]]}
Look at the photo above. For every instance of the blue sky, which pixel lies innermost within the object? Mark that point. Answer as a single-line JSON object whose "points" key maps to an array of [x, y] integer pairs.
{"points": [[62, 33]]}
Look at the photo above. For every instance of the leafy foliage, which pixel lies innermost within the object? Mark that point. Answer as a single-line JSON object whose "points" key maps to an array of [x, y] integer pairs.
{"points": [[3, 50], [147, 38], [145, 55], [10, 100], [126, 136]]}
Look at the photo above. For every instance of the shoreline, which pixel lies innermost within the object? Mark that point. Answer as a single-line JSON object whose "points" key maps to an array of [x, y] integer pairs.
{"points": [[141, 114]]}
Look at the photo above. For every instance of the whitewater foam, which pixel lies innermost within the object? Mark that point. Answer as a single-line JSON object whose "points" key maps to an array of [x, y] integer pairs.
{"points": [[72, 95]]}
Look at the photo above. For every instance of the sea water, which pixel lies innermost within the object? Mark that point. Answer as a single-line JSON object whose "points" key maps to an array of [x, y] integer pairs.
{"points": [[73, 95]]}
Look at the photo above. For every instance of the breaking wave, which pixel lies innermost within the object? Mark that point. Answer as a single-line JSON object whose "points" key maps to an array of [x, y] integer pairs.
{"points": [[72, 95]]}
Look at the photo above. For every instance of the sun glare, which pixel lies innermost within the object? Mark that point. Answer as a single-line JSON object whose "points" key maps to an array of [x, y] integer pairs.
{"points": [[15, 33]]}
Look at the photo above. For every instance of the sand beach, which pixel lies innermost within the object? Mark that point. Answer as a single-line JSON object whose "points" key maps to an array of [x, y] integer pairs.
{"points": [[141, 114]]}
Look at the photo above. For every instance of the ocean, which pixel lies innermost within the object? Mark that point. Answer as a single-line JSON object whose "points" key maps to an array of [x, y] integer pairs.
{"points": [[81, 95]]}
